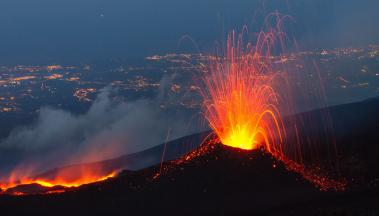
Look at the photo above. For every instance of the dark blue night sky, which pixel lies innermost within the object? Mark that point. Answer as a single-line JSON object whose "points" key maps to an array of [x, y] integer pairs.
{"points": [[71, 31]]}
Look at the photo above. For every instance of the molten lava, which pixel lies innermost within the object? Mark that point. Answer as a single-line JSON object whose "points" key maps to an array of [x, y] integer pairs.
{"points": [[66, 177], [245, 99], [241, 104]]}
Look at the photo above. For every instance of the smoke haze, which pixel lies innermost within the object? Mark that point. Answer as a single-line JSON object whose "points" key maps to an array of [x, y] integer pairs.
{"points": [[110, 128]]}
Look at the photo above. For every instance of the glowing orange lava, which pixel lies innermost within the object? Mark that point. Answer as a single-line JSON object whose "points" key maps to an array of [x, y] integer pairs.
{"points": [[60, 182], [241, 104], [246, 97], [69, 177]]}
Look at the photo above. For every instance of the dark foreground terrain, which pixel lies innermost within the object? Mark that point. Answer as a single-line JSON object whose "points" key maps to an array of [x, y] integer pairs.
{"points": [[225, 181], [222, 181]]}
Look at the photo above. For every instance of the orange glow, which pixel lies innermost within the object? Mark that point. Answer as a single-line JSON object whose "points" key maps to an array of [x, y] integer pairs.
{"points": [[67, 177], [241, 104], [246, 98], [76, 170]]}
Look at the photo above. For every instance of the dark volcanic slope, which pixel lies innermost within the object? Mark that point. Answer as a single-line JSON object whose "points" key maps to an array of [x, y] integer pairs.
{"points": [[221, 181], [172, 150]]}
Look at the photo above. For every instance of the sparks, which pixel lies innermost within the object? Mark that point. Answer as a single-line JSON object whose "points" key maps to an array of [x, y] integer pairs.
{"points": [[246, 98], [241, 104]]}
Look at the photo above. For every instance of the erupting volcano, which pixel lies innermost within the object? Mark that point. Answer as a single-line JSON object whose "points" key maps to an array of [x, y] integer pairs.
{"points": [[240, 101], [246, 98]]}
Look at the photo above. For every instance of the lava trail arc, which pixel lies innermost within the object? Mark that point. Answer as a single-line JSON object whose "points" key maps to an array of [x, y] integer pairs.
{"points": [[248, 96], [241, 103]]}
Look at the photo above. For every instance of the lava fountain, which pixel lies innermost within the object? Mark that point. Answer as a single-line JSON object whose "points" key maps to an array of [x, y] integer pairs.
{"points": [[241, 103], [248, 94]]}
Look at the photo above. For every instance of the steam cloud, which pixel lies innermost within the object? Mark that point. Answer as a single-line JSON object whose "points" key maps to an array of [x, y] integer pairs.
{"points": [[110, 128]]}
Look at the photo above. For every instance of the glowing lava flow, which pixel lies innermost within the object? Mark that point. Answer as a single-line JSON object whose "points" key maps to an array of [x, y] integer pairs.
{"points": [[66, 178], [240, 101], [56, 182]]}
